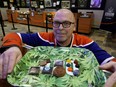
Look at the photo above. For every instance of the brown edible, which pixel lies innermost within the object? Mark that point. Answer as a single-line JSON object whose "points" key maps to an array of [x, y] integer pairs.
{"points": [[59, 71]]}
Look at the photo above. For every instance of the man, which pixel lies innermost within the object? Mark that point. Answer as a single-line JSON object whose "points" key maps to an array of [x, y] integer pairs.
{"points": [[62, 35]]}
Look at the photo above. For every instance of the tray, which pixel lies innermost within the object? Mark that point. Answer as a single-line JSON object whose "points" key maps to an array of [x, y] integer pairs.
{"points": [[89, 73]]}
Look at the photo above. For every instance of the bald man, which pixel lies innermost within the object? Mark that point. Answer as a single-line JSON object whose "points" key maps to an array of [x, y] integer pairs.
{"points": [[62, 36]]}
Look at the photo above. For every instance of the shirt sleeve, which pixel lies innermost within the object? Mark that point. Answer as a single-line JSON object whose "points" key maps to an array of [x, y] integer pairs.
{"points": [[12, 39], [101, 55]]}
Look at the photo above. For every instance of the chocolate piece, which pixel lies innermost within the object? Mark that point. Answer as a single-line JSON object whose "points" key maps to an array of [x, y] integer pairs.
{"points": [[76, 62], [59, 71], [58, 63], [43, 63], [34, 70], [47, 70]]}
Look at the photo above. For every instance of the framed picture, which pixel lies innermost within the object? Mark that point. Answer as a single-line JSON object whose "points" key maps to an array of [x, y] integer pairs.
{"points": [[48, 3], [95, 3], [82, 3], [18, 2], [5, 3], [73, 1], [23, 3], [37, 1], [34, 4], [65, 4], [28, 3], [11, 0]]}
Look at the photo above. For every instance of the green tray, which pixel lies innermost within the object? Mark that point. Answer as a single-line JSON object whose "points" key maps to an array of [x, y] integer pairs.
{"points": [[90, 75]]}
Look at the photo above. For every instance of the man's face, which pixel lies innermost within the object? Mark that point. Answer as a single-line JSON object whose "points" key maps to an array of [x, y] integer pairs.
{"points": [[63, 32]]}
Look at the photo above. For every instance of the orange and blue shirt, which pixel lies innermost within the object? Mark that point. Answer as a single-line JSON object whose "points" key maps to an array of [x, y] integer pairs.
{"points": [[48, 39]]}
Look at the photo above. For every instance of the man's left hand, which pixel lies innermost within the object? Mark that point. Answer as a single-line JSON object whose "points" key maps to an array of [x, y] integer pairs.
{"points": [[110, 66]]}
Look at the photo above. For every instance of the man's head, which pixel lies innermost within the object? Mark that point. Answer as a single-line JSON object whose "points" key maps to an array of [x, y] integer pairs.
{"points": [[63, 26]]}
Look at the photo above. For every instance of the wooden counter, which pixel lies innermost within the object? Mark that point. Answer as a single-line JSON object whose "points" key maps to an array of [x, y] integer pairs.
{"points": [[35, 18], [85, 23], [39, 19]]}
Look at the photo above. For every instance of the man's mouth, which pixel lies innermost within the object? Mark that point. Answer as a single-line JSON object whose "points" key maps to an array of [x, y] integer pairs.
{"points": [[61, 34]]}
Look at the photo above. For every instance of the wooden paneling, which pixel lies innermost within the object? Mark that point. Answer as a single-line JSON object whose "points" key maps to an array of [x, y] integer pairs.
{"points": [[36, 19], [13, 13], [85, 24]]}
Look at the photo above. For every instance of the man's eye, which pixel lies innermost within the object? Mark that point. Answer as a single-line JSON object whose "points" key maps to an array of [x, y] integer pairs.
{"points": [[56, 22], [66, 23]]}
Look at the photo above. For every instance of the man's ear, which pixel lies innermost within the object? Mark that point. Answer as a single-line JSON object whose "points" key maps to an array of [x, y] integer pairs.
{"points": [[74, 26]]}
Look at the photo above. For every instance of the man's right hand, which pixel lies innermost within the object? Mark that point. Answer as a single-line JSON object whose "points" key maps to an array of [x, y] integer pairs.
{"points": [[8, 59]]}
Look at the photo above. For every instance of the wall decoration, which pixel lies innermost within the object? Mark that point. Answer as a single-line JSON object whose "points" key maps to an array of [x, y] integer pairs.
{"points": [[109, 17], [5, 3], [48, 3], [82, 3], [73, 1], [65, 4], [34, 4], [23, 4], [95, 3], [28, 3], [11, 0], [41, 4], [18, 2], [37, 1]]}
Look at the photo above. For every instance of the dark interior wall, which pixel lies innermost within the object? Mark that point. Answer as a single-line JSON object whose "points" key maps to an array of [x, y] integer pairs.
{"points": [[109, 17], [1, 3]]}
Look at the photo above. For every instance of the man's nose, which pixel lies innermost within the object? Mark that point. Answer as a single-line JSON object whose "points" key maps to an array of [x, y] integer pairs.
{"points": [[60, 27]]}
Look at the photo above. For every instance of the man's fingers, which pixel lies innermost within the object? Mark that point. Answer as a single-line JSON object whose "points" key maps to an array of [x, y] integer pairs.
{"points": [[12, 61], [8, 60], [5, 65], [111, 80], [18, 58], [1, 66], [107, 65]]}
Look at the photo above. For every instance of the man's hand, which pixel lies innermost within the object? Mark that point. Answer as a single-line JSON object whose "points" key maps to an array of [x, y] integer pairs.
{"points": [[8, 59], [112, 67]]}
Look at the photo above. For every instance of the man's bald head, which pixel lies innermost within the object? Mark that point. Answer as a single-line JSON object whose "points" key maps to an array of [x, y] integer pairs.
{"points": [[63, 26], [65, 12]]}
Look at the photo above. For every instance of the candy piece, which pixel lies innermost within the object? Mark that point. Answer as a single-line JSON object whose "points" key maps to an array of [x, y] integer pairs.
{"points": [[76, 72], [59, 71], [47, 70], [70, 69], [68, 61], [58, 63], [76, 62], [68, 65], [34, 70], [43, 63]]}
